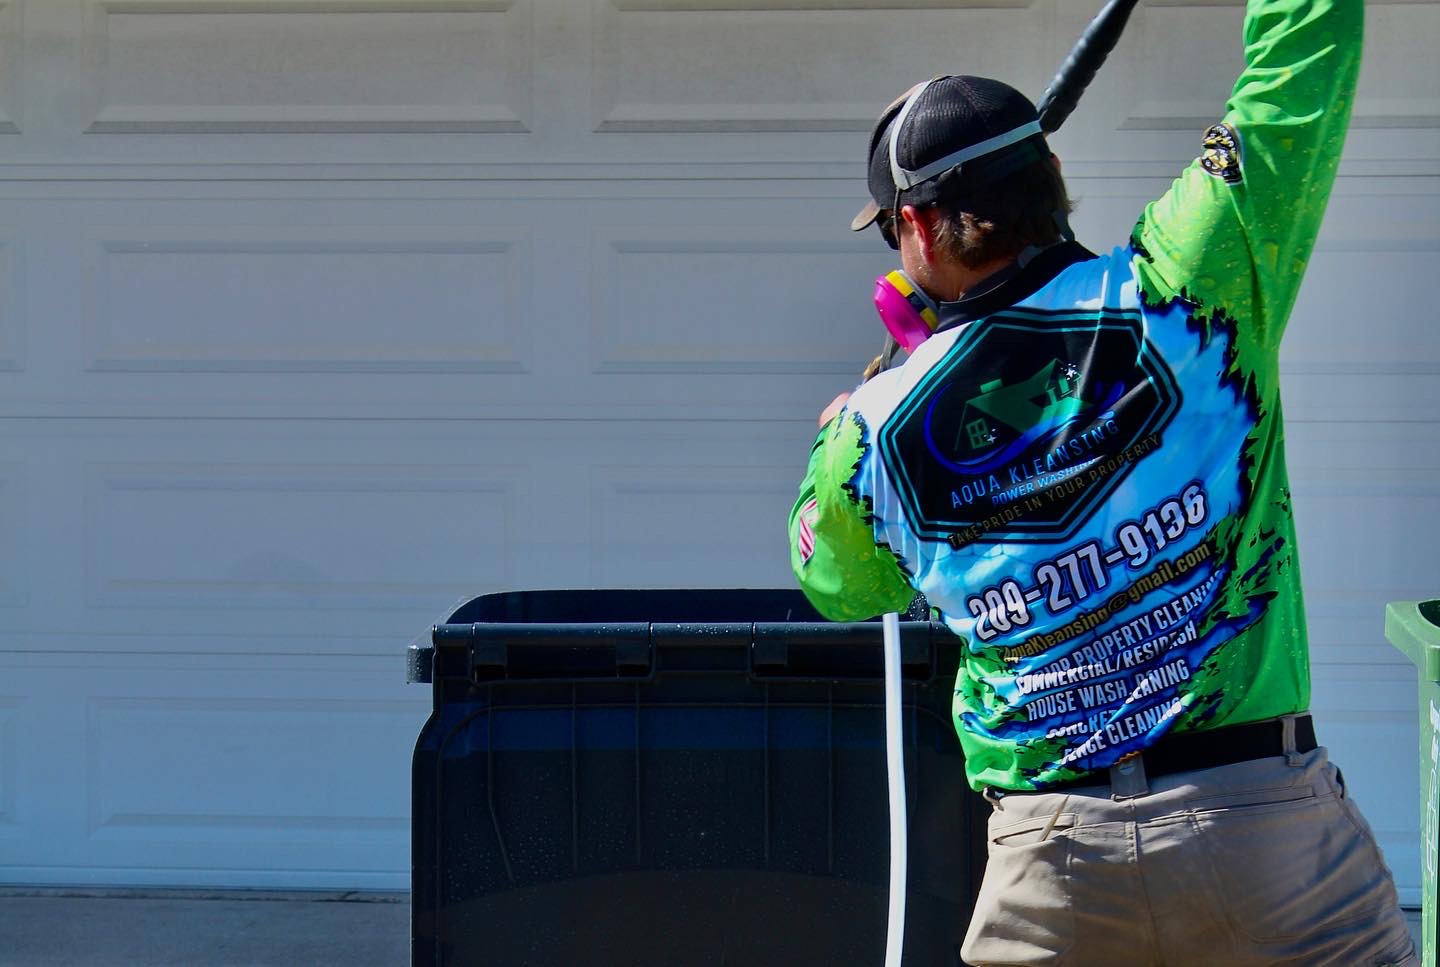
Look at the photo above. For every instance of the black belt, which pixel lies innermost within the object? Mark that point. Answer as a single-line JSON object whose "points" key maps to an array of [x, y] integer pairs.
{"points": [[1187, 751]]}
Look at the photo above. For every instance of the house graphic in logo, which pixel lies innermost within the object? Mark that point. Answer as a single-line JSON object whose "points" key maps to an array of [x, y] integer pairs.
{"points": [[1050, 397]]}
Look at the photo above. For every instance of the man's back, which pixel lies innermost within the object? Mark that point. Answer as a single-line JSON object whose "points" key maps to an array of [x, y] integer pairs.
{"points": [[1083, 470]]}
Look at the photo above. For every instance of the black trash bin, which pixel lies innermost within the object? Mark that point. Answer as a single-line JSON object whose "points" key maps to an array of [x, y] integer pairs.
{"points": [[638, 778]]}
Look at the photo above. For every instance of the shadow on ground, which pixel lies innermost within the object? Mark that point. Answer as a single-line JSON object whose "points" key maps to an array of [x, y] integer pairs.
{"points": [[49, 928]]}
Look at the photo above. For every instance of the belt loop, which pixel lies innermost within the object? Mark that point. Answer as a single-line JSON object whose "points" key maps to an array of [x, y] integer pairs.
{"points": [[1127, 778], [1287, 741], [993, 797]]}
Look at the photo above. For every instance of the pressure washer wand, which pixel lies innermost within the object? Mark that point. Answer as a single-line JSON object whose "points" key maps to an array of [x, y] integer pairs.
{"points": [[1060, 98], [1079, 69]]}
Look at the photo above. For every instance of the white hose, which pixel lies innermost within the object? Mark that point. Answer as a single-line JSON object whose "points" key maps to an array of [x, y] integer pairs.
{"points": [[895, 761]]}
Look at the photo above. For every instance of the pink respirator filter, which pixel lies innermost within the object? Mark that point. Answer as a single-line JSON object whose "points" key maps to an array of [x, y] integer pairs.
{"points": [[907, 312]]}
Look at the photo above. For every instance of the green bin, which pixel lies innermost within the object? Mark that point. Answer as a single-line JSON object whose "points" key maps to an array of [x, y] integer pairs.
{"points": [[1414, 628]]}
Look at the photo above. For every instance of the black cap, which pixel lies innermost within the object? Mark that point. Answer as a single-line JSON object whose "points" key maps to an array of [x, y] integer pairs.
{"points": [[984, 126]]}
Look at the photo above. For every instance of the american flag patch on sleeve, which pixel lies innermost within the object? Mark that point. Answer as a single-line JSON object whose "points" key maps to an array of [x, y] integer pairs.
{"points": [[805, 537]]}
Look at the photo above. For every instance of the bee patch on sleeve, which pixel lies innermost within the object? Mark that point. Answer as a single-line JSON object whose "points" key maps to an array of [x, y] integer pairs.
{"points": [[1221, 156]]}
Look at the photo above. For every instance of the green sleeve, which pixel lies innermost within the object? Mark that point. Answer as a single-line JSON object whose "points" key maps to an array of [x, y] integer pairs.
{"points": [[1237, 228], [844, 573]]}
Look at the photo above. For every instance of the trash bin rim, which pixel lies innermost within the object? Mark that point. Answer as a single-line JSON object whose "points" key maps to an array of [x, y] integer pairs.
{"points": [[1415, 635]]}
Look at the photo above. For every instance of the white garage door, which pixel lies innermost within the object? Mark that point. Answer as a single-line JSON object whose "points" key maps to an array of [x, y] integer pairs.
{"points": [[317, 315]]}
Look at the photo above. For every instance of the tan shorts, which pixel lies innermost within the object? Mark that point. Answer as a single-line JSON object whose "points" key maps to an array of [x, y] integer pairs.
{"points": [[1260, 862]]}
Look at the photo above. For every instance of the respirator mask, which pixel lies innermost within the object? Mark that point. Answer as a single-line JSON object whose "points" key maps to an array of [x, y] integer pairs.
{"points": [[909, 314]]}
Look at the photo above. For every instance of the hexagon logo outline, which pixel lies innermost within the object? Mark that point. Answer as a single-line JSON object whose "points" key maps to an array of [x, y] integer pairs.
{"points": [[1026, 399]]}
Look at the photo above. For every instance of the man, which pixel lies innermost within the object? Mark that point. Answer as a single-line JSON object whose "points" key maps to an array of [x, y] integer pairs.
{"points": [[1082, 470]]}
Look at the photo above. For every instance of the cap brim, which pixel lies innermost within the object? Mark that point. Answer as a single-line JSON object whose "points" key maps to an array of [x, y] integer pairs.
{"points": [[866, 218], [871, 211]]}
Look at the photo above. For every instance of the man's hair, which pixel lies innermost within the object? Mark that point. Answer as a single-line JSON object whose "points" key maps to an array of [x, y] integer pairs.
{"points": [[1002, 218]]}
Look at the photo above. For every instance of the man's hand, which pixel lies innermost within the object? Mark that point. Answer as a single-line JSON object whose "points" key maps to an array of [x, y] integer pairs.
{"points": [[828, 414]]}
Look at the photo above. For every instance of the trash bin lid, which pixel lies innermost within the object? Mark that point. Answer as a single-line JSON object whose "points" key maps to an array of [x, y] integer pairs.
{"points": [[1414, 628]]}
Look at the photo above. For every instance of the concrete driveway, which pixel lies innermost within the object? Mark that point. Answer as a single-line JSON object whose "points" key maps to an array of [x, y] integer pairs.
{"points": [[177, 928], [132, 928]]}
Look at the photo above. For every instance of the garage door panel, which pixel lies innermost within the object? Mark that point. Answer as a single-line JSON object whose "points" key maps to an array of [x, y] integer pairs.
{"points": [[682, 66], [1346, 629], [1170, 88], [276, 79], [178, 768], [695, 525], [1370, 398], [1392, 94], [1358, 309], [10, 706], [310, 299], [258, 537], [15, 539], [1342, 327], [298, 66], [41, 767], [679, 505], [10, 89], [694, 505], [713, 300], [12, 307], [1369, 529], [40, 534], [243, 772], [274, 533]]}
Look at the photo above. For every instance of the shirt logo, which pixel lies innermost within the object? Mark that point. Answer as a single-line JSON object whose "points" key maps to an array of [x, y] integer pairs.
{"points": [[1027, 425]]}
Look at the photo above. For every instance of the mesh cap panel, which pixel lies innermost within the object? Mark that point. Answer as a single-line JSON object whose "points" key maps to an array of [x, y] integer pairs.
{"points": [[951, 114]]}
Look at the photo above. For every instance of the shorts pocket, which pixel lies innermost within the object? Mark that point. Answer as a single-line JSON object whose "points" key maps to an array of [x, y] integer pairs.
{"points": [[1027, 832], [1287, 869], [1023, 914], [1273, 796]]}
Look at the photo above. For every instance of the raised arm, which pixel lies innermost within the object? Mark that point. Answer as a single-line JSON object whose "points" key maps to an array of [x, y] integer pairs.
{"points": [[1236, 229]]}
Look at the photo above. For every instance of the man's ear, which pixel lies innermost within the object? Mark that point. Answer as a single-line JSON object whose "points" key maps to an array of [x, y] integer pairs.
{"points": [[924, 221]]}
